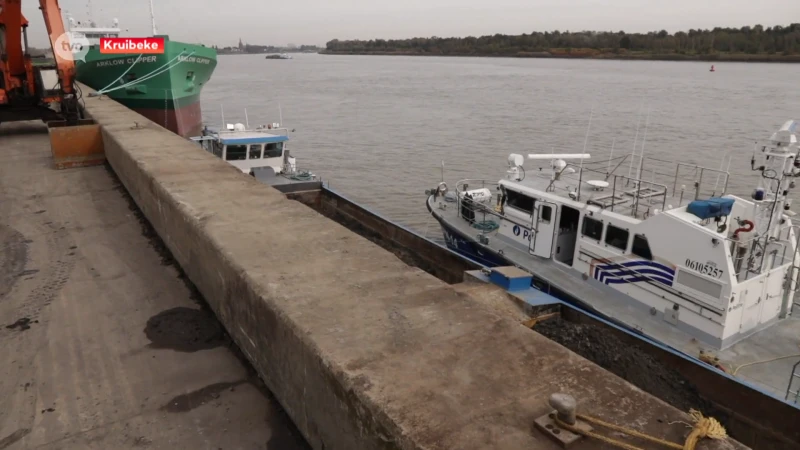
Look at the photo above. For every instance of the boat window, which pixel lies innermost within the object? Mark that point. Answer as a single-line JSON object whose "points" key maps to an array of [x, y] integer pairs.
{"points": [[520, 201], [617, 237], [546, 214], [255, 151], [236, 152], [641, 248], [592, 228], [274, 150]]}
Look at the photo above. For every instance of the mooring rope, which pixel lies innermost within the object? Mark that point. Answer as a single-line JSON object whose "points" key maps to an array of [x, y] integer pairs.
{"points": [[486, 225], [304, 175], [154, 73], [150, 75], [138, 58], [704, 427]]}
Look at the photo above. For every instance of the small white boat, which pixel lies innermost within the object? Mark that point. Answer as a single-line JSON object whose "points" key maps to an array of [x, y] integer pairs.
{"points": [[261, 152], [693, 268]]}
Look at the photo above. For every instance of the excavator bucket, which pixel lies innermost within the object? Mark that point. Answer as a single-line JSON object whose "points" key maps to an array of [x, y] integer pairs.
{"points": [[79, 145]]}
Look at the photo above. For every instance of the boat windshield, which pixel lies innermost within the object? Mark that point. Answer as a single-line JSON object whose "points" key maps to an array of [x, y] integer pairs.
{"points": [[274, 150], [236, 152]]}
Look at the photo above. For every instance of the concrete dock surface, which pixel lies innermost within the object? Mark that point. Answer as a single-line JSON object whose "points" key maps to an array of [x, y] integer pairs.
{"points": [[362, 351], [102, 345]]}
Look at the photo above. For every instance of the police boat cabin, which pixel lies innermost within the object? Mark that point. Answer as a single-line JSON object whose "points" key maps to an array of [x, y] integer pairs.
{"points": [[655, 245]]}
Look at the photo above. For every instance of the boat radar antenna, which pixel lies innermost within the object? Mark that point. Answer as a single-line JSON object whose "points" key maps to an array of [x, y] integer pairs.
{"points": [[611, 156], [153, 18], [515, 163], [644, 141], [586, 139], [635, 138]]}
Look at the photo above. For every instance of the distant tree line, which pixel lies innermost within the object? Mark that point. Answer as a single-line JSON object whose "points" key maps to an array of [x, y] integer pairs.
{"points": [[776, 40], [248, 48]]}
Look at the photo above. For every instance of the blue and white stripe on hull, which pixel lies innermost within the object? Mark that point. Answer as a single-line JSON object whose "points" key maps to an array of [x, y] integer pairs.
{"points": [[634, 272]]}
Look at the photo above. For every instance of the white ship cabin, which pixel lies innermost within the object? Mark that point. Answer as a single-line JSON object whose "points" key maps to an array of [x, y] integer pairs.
{"points": [[91, 31], [712, 266], [249, 150]]}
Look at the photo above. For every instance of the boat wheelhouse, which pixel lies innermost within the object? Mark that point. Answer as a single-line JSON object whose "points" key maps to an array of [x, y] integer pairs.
{"points": [[262, 153], [664, 251], [91, 32]]}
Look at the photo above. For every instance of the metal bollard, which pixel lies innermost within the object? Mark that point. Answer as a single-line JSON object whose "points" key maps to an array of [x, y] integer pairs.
{"points": [[565, 406]]}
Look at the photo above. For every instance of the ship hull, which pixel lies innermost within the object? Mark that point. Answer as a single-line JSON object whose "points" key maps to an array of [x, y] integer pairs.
{"points": [[164, 88]]}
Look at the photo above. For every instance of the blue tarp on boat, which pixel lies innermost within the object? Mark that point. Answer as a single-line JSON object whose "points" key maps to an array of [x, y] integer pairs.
{"points": [[711, 208]]}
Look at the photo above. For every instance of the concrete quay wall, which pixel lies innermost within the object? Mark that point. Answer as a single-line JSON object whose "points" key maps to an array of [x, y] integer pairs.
{"points": [[363, 351]]}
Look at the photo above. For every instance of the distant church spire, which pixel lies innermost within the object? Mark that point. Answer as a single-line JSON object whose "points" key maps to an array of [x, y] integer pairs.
{"points": [[241, 46]]}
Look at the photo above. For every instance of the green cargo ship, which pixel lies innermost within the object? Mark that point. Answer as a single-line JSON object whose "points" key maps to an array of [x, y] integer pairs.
{"points": [[165, 88]]}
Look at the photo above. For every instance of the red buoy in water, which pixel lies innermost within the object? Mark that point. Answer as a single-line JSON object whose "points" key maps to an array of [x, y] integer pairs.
{"points": [[712, 68]]}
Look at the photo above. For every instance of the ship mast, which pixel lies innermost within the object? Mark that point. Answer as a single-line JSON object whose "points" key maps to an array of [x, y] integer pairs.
{"points": [[153, 18], [89, 12]]}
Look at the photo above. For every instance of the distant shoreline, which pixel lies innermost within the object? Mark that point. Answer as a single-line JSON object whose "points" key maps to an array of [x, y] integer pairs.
{"points": [[735, 57], [266, 53]]}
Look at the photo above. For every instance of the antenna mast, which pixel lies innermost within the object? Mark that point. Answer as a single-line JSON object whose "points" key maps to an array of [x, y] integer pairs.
{"points": [[153, 18], [644, 141], [635, 138], [586, 140]]}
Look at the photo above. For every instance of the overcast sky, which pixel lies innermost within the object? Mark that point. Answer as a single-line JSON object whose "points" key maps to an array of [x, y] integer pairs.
{"points": [[318, 21]]}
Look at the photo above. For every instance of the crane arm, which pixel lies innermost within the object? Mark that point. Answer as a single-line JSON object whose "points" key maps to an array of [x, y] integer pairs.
{"points": [[55, 30], [11, 18]]}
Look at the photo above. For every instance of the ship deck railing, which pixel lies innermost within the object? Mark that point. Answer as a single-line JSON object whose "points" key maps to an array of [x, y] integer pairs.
{"points": [[755, 266], [638, 197], [274, 131]]}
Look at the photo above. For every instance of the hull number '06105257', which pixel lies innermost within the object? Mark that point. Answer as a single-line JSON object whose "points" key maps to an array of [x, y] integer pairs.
{"points": [[708, 268]]}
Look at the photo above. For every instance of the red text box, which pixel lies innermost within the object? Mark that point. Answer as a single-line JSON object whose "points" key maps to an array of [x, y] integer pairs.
{"points": [[148, 45]]}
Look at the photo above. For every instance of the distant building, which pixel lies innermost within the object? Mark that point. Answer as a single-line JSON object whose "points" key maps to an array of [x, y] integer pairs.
{"points": [[241, 46]]}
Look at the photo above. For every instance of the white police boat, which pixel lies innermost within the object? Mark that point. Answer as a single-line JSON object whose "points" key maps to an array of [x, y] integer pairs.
{"points": [[262, 153], [696, 269]]}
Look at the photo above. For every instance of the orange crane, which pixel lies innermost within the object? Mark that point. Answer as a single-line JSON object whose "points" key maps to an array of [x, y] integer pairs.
{"points": [[23, 96]]}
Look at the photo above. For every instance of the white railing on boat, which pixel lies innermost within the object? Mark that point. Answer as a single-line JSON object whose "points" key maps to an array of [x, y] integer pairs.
{"points": [[631, 191], [280, 131]]}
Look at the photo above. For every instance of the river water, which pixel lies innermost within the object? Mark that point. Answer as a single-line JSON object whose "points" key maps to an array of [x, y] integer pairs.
{"points": [[378, 127]]}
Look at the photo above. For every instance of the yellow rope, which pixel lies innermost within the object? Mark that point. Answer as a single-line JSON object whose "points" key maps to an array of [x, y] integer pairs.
{"points": [[765, 361], [704, 427]]}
